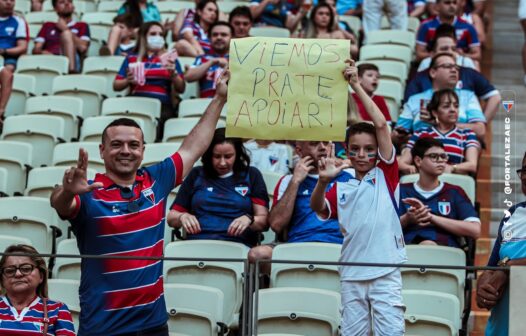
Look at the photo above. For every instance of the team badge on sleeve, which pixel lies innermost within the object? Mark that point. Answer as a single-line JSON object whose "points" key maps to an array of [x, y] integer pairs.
{"points": [[148, 193], [444, 208], [242, 190]]}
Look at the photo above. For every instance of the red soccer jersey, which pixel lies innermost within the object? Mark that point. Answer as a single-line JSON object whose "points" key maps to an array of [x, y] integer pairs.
{"points": [[378, 100], [50, 35]]}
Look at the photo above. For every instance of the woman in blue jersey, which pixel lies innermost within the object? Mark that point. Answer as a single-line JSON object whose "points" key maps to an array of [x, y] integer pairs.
{"points": [[225, 198], [151, 71], [509, 250], [461, 143], [24, 306]]}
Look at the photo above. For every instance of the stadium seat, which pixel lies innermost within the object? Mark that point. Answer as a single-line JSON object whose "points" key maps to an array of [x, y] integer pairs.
{"points": [[397, 37], [67, 268], [89, 88], [109, 6], [271, 180], [306, 275], [106, 67], [354, 22], [93, 127], [390, 70], [193, 107], [464, 181], [157, 152], [40, 17], [386, 52], [393, 92], [228, 6], [41, 132], [304, 311], [450, 281], [42, 181], [269, 32], [67, 154], [147, 109], [226, 276], [3, 181], [23, 7], [67, 108], [431, 313], [168, 9], [6, 241], [23, 88], [31, 218], [15, 157], [412, 24], [44, 68], [99, 19], [191, 89], [98, 36], [176, 129], [194, 309], [66, 291]]}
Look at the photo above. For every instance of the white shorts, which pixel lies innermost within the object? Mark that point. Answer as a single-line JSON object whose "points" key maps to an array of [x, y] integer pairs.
{"points": [[522, 9], [381, 298]]}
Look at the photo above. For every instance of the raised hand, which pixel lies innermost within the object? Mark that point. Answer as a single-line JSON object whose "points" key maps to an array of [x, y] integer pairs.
{"points": [[351, 73], [302, 169], [222, 84], [75, 179], [190, 223], [330, 166]]}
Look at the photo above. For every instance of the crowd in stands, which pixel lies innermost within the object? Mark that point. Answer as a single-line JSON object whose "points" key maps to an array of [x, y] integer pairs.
{"points": [[438, 128]]}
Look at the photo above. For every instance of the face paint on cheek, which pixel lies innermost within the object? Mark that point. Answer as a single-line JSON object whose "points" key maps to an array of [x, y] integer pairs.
{"points": [[353, 154], [371, 157]]}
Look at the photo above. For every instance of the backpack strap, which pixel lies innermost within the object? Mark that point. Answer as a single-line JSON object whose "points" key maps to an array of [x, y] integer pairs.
{"points": [[45, 320]]}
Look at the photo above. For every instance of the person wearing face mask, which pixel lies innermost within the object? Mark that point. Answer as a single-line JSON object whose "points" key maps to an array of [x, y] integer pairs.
{"points": [[149, 71], [225, 198]]}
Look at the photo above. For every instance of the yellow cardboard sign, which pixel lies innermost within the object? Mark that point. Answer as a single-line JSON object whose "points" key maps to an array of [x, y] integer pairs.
{"points": [[287, 89]]}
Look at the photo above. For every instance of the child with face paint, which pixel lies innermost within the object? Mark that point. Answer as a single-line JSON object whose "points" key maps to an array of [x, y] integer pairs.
{"points": [[367, 210]]}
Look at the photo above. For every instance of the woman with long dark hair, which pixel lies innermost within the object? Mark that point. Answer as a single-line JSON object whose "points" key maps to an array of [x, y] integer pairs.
{"points": [[194, 34], [24, 304], [321, 23], [225, 198]]}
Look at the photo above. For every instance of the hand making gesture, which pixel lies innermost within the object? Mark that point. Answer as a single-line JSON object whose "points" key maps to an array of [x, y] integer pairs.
{"points": [[75, 179], [330, 166]]}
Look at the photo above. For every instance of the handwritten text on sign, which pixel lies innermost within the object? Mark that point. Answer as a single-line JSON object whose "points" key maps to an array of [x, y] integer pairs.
{"points": [[288, 89]]}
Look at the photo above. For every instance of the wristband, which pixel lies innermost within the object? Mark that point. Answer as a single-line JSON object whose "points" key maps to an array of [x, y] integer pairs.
{"points": [[250, 217]]}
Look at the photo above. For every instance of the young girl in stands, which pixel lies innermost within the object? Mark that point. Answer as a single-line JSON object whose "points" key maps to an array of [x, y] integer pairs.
{"points": [[367, 210], [194, 39]]}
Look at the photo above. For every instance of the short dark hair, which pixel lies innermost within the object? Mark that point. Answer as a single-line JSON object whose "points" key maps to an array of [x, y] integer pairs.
{"points": [[121, 122], [362, 68], [240, 11], [220, 23], [242, 161], [437, 56], [126, 19], [358, 128], [444, 30], [423, 144], [434, 103]]}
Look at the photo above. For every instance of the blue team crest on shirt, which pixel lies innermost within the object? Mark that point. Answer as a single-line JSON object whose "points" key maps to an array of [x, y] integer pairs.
{"points": [[444, 208], [273, 160], [242, 190], [148, 193], [9, 30]]}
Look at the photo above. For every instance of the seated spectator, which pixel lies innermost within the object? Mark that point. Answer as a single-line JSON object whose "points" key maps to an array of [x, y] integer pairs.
{"points": [[141, 11], [434, 212], [444, 75], [268, 156], [349, 7], [208, 67], [194, 34], [344, 27], [461, 145], [127, 42], [291, 216], [472, 18], [416, 8], [276, 13], [469, 79], [13, 37], [65, 37], [321, 24], [446, 41], [240, 19], [225, 198], [150, 71], [24, 304], [467, 43], [368, 76], [184, 15]]}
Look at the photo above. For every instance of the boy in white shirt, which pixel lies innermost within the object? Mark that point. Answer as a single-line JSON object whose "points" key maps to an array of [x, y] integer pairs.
{"points": [[367, 210]]}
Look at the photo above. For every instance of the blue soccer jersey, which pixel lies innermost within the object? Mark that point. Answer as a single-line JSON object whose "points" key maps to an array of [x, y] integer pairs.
{"points": [[466, 34], [12, 29], [511, 243], [304, 225], [123, 296], [446, 200], [216, 202]]}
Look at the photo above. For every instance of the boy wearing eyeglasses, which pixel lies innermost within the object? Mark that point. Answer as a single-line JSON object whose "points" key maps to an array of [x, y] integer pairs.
{"points": [[434, 212]]}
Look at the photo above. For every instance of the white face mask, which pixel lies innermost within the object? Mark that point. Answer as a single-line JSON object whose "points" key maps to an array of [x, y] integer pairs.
{"points": [[155, 42]]}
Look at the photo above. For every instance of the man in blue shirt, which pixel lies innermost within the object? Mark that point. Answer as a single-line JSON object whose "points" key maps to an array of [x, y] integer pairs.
{"points": [[291, 215]]}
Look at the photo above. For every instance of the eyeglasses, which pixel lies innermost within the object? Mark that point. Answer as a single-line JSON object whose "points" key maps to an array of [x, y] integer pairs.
{"points": [[435, 157], [25, 269], [447, 66], [521, 171]]}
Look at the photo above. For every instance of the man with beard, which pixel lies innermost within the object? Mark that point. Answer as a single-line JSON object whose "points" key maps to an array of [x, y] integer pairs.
{"points": [[208, 67], [65, 37]]}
